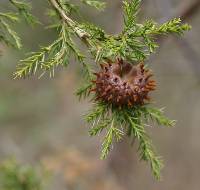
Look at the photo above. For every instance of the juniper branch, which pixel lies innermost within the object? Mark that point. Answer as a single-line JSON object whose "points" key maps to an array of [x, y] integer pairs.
{"points": [[24, 10], [7, 34], [146, 149], [49, 57], [134, 119]]}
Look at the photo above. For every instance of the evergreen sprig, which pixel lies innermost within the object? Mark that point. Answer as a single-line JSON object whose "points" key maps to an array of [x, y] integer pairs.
{"points": [[24, 9], [7, 19], [7, 34], [138, 41], [118, 122], [134, 43], [54, 55], [131, 9]]}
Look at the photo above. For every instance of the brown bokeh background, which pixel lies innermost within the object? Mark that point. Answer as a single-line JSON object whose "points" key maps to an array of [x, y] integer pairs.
{"points": [[41, 119]]}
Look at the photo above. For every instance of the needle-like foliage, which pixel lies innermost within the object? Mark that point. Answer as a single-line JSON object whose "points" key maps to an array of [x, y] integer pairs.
{"points": [[24, 9], [94, 3], [118, 122], [7, 34], [7, 19], [57, 53]]}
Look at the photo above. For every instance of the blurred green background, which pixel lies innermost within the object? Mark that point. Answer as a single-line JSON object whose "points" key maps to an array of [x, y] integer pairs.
{"points": [[41, 119]]}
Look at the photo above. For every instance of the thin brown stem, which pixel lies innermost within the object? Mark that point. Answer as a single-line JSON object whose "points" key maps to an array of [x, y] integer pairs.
{"points": [[72, 24]]}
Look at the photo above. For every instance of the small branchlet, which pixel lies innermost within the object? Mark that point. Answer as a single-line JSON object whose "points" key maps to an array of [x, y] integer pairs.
{"points": [[128, 121], [24, 9], [54, 55], [7, 19], [7, 34]]}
